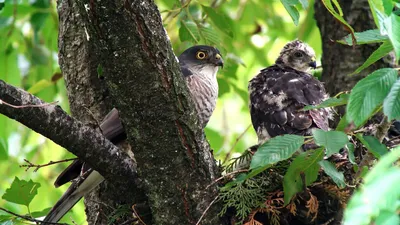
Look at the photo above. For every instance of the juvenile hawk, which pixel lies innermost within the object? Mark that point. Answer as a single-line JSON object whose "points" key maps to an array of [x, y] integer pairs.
{"points": [[279, 92], [199, 66]]}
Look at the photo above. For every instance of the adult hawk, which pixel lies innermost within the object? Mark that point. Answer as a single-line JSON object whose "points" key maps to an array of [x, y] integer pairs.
{"points": [[279, 92], [199, 66]]}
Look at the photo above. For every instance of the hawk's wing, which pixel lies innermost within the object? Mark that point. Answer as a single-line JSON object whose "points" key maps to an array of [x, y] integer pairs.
{"points": [[84, 178], [277, 96]]}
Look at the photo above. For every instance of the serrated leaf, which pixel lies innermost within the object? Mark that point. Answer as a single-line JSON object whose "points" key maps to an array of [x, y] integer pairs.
{"points": [[21, 192], [391, 104], [379, 53], [393, 28], [368, 94], [40, 85], [292, 10], [276, 149], [331, 102], [333, 141], [306, 165], [189, 32], [365, 37], [221, 21], [373, 145], [210, 36], [339, 16], [332, 172]]}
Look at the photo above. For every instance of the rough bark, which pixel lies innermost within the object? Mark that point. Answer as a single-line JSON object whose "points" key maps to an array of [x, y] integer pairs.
{"points": [[126, 41], [340, 60]]}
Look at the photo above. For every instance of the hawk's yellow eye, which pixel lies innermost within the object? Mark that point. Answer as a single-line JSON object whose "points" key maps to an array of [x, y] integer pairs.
{"points": [[201, 55]]}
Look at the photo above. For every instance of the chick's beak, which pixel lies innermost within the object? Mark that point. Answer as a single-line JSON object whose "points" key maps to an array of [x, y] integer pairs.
{"points": [[313, 64], [219, 61]]}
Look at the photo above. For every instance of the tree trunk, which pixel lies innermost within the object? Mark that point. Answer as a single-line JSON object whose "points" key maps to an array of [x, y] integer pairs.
{"points": [[340, 60], [116, 53]]}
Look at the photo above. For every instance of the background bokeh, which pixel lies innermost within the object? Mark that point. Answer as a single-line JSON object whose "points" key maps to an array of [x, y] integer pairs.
{"points": [[249, 34]]}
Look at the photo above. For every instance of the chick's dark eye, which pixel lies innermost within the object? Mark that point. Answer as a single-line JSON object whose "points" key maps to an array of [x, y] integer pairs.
{"points": [[201, 55], [298, 54]]}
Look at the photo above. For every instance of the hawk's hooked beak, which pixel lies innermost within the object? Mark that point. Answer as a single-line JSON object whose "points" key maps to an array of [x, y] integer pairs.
{"points": [[219, 61]]}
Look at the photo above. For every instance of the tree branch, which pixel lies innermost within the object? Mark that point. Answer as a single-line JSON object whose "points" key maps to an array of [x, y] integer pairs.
{"points": [[54, 123]]}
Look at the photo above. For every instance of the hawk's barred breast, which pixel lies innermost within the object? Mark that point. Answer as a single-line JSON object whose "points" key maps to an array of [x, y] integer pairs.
{"points": [[277, 95], [204, 91]]}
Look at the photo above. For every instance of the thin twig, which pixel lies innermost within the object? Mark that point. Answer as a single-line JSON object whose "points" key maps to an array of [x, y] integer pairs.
{"points": [[30, 165], [205, 211], [29, 218], [137, 214], [234, 144], [226, 175], [27, 106]]}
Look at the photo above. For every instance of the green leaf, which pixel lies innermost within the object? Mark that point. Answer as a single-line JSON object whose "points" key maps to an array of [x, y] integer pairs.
{"points": [[40, 85], [368, 94], [383, 165], [21, 192], [276, 149], [373, 145], [387, 218], [333, 141], [189, 32], [2, 5], [331, 171], [376, 10], [9, 222], [223, 87], [38, 20], [40, 55], [393, 29], [391, 104], [304, 4], [343, 124], [292, 10], [379, 53], [376, 196], [331, 102], [306, 165], [3, 149], [338, 15], [365, 37], [350, 151], [40, 213], [221, 21], [5, 216]]}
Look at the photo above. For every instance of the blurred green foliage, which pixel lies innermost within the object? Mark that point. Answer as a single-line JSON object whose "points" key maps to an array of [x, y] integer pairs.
{"points": [[249, 34]]}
